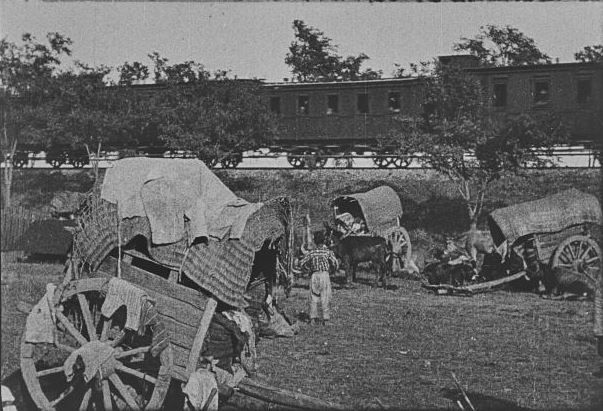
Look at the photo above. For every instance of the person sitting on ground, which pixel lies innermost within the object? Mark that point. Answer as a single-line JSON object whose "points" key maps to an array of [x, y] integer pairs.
{"points": [[320, 262]]}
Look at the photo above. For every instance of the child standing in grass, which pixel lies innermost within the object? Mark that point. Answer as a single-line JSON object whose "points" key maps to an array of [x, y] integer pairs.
{"points": [[320, 262]]}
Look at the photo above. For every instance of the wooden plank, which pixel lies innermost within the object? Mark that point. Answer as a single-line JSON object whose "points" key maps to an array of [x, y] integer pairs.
{"points": [[494, 283], [208, 315], [284, 397], [160, 285], [470, 289]]}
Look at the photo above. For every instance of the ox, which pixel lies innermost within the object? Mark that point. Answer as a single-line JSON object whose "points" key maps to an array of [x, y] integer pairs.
{"points": [[352, 250]]}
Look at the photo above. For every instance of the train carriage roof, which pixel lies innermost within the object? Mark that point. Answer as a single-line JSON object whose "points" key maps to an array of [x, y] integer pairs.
{"points": [[546, 215], [381, 207]]}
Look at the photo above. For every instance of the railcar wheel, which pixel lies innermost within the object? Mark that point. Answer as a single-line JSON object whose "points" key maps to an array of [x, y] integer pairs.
{"points": [[296, 160], [56, 163], [381, 162], [320, 160], [581, 254], [19, 162], [77, 163], [401, 162], [231, 161], [399, 247], [129, 375]]}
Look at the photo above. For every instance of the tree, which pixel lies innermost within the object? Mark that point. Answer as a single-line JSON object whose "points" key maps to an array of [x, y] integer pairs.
{"points": [[503, 46], [590, 54], [85, 113], [27, 71], [186, 72], [216, 118], [132, 73], [312, 57], [459, 139]]}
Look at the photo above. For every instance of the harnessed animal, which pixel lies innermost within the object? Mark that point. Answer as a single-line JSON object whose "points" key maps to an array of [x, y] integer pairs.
{"points": [[352, 250]]}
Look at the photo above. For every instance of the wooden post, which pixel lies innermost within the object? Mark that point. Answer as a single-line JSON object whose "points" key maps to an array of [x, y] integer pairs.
{"points": [[309, 239], [208, 314]]}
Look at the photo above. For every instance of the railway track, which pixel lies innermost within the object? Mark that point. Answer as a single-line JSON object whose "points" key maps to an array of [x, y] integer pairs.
{"points": [[566, 157]]}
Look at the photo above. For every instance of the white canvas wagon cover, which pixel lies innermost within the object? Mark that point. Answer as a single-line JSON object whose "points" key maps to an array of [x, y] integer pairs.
{"points": [[546, 215], [190, 220], [381, 207]]}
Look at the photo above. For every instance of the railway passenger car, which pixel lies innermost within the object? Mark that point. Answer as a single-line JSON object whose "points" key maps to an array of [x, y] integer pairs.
{"points": [[347, 118], [330, 118]]}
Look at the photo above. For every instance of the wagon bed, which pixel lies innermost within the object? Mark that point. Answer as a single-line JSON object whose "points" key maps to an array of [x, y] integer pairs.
{"points": [[184, 293]]}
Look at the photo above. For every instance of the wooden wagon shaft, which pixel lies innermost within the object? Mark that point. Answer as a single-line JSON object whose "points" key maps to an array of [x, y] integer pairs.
{"points": [[284, 397], [208, 314], [470, 289]]}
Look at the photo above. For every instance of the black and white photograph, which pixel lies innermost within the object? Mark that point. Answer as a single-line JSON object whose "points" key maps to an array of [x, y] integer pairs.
{"points": [[301, 205]]}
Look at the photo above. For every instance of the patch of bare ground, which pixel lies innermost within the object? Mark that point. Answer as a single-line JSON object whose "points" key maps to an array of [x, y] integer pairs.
{"points": [[400, 346]]}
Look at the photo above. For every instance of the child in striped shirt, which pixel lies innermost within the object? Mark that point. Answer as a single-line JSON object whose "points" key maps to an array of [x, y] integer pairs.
{"points": [[320, 262]]}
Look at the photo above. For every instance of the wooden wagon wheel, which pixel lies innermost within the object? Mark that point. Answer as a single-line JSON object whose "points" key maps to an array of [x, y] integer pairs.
{"points": [[132, 379], [581, 254], [400, 248]]}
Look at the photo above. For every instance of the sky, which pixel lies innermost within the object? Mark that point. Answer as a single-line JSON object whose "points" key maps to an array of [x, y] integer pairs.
{"points": [[252, 39]]}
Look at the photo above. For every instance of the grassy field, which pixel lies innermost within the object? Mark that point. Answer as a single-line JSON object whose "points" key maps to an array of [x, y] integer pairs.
{"points": [[400, 345], [396, 346]]}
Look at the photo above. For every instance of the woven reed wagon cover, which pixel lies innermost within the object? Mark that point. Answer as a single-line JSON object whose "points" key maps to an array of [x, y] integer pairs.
{"points": [[546, 215], [221, 266], [380, 206]]}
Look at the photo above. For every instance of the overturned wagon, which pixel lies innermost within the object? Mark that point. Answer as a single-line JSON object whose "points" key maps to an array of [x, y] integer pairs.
{"points": [[376, 212], [156, 291], [561, 230]]}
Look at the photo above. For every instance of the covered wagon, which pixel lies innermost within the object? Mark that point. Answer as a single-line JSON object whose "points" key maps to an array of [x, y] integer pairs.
{"points": [[376, 212], [156, 292], [561, 230]]}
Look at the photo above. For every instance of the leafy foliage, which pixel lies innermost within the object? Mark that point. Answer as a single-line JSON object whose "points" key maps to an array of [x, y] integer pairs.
{"points": [[312, 57], [503, 46], [590, 54], [130, 73], [213, 118], [459, 138]]}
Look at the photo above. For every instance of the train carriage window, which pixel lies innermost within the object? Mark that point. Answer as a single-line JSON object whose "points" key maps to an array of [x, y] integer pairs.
{"points": [[332, 104], [275, 105], [584, 91], [393, 101], [303, 105], [542, 96], [363, 103], [500, 95]]}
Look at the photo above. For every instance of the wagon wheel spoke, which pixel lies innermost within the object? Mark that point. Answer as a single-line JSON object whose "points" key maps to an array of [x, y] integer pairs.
{"points": [[136, 373], [107, 404], [49, 371], [590, 261], [134, 351], [64, 347], [590, 277], [87, 317], [123, 391], [62, 396], [70, 328], [106, 326], [586, 252], [86, 400]]}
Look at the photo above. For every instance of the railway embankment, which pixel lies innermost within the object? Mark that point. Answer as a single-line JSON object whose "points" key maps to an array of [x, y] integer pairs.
{"points": [[430, 201]]}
